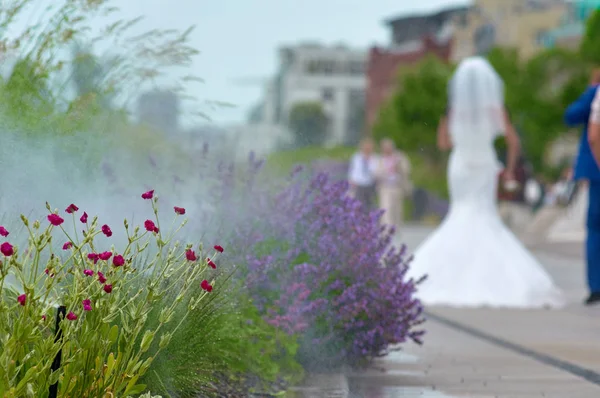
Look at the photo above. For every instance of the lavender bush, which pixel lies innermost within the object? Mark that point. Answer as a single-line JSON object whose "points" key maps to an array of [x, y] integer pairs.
{"points": [[323, 268]]}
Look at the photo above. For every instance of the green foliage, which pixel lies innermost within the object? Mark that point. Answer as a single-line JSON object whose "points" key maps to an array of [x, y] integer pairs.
{"points": [[411, 116], [227, 343], [106, 338], [590, 46], [309, 124], [537, 92]]}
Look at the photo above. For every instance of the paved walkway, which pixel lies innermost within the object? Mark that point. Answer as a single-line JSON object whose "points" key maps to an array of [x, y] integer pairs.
{"points": [[499, 353]]}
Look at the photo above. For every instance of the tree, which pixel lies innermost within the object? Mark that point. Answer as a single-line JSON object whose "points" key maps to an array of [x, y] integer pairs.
{"points": [[590, 46], [411, 115], [309, 123]]}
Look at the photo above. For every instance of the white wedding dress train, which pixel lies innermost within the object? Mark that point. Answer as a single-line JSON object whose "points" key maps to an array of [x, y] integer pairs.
{"points": [[473, 259]]}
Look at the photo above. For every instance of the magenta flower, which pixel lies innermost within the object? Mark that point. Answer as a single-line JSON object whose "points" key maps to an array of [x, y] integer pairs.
{"points": [[148, 195], [101, 277], [93, 257], [106, 230], [206, 286], [55, 219], [179, 210], [71, 316], [211, 263], [190, 255], [107, 289], [118, 260], [104, 256], [71, 209], [88, 272], [219, 248], [22, 299], [87, 305], [83, 218], [7, 249], [3, 231], [150, 226], [67, 245]]}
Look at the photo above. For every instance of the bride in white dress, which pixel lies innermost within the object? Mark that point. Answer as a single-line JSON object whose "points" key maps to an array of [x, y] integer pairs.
{"points": [[473, 259]]}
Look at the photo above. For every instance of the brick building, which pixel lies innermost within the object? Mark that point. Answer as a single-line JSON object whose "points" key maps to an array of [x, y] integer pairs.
{"points": [[412, 38]]}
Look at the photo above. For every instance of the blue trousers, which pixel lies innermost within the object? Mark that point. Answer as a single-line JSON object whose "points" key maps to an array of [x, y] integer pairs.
{"points": [[593, 237]]}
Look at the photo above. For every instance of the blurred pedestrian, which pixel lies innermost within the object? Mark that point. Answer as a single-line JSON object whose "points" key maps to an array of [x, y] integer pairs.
{"points": [[393, 183], [361, 174]]}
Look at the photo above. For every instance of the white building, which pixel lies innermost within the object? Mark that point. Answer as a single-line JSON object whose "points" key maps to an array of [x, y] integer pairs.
{"points": [[334, 76]]}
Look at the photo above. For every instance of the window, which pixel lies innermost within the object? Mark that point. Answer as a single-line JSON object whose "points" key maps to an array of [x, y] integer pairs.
{"points": [[327, 94], [328, 67], [357, 68]]}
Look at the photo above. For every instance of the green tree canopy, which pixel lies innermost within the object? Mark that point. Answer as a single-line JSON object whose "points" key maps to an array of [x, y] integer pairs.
{"points": [[590, 45], [309, 123]]}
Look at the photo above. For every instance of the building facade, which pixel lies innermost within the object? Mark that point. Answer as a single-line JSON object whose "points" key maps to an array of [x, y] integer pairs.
{"points": [[413, 37], [519, 24], [572, 28], [331, 75]]}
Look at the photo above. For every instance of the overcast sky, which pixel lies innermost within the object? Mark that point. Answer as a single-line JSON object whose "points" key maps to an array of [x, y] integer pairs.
{"points": [[238, 38]]}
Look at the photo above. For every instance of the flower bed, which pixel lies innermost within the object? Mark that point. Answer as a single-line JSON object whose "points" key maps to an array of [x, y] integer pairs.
{"points": [[304, 266]]}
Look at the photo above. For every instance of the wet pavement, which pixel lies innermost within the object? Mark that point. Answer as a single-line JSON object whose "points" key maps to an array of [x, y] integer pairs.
{"points": [[497, 353]]}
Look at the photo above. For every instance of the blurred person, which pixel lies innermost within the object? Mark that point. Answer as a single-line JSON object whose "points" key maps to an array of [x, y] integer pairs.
{"points": [[579, 113], [472, 259], [361, 174], [393, 175]]}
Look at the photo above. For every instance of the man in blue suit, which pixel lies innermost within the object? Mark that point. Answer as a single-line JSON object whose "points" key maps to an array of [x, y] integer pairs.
{"points": [[586, 168]]}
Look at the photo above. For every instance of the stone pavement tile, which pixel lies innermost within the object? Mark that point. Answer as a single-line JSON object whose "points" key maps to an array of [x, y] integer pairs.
{"points": [[460, 365]]}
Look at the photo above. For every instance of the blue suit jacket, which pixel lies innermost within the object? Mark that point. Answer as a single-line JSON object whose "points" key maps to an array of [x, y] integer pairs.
{"points": [[578, 113]]}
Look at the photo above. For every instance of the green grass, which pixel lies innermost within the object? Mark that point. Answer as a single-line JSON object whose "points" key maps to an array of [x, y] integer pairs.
{"points": [[283, 162]]}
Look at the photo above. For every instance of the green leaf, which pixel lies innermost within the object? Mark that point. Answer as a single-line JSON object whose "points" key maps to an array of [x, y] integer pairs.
{"points": [[113, 334]]}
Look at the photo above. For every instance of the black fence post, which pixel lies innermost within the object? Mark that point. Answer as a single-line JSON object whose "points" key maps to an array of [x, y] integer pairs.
{"points": [[60, 315]]}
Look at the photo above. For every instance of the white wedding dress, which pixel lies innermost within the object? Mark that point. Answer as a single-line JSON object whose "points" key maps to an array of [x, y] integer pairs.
{"points": [[472, 259]]}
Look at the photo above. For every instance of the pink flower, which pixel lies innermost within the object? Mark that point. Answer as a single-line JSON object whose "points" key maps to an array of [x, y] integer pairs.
{"points": [[71, 209], [43, 317], [206, 286], [101, 277], [55, 219], [190, 255], [219, 248], [88, 272], [150, 226], [84, 217], [93, 257], [179, 210], [3, 231], [106, 230], [148, 195], [108, 288], [211, 263], [67, 245], [104, 256], [7, 249], [22, 299], [118, 261], [87, 305], [71, 316]]}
